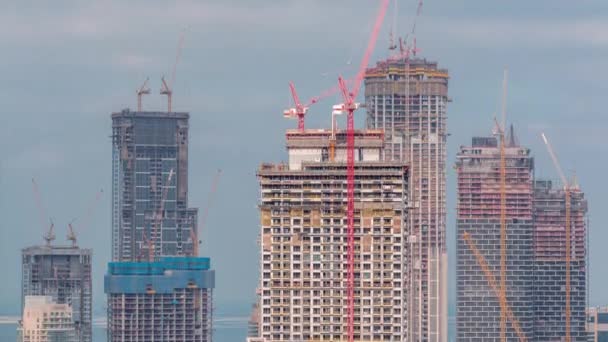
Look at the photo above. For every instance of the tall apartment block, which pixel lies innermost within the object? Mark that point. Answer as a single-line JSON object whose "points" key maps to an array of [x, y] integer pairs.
{"points": [[303, 241], [408, 100], [166, 300], [64, 274], [43, 320], [146, 147], [478, 214], [550, 265]]}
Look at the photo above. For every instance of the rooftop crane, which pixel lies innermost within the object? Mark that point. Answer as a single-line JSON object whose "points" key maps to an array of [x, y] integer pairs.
{"points": [[349, 106], [167, 88], [298, 111], [193, 234], [143, 90], [567, 230], [49, 234], [71, 236], [492, 282], [503, 213]]}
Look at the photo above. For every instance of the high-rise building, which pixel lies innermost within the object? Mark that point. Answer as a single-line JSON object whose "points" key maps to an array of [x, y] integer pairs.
{"points": [[166, 300], [550, 265], [44, 320], [408, 100], [64, 274], [303, 241], [146, 148], [478, 214], [597, 324]]}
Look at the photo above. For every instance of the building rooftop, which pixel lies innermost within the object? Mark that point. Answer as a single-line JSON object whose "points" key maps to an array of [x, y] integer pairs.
{"points": [[128, 113]]}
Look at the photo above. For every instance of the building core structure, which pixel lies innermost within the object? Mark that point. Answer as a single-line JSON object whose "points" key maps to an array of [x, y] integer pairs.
{"points": [[478, 214], [303, 241], [149, 150], [44, 320], [407, 98], [62, 273], [167, 300], [550, 264]]}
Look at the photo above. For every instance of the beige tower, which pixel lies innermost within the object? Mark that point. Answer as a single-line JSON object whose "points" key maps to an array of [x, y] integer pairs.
{"points": [[303, 241], [408, 100]]}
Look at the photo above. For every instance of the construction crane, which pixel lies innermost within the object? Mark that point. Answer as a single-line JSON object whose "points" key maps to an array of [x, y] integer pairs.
{"points": [[193, 234], [504, 305], [71, 235], [143, 90], [298, 111], [567, 230], [157, 219], [167, 88], [49, 235], [349, 106]]}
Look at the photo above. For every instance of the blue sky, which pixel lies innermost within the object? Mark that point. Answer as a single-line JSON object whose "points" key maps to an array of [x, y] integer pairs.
{"points": [[66, 66]]}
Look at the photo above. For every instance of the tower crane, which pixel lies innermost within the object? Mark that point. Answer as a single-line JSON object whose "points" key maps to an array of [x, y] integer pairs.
{"points": [[167, 88], [193, 234], [504, 305], [349, 106], [157, 220], [49, 234], [298, 111], [567, 231], [143, 90], [71, 236]]}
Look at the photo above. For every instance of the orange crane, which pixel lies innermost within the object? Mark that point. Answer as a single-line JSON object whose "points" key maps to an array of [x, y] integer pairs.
{"points": [[349, 106], [167, 88], [567, 231], [157, 220], [492, 281], [193, 234], [49, 234], [71, 236], [143, 90]]}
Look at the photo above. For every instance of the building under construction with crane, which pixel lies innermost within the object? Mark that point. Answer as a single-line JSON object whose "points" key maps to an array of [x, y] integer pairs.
{"points": [[303, 284], [550, 262], [158, 289], [63, 273], [150, 213], [407, 98], [480, 308]]}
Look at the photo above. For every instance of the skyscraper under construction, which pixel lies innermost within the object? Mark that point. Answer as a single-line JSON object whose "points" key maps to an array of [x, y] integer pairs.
{"points": [[149, 161], [550, 265], [478, 312], [407, 98], [303, 241]]}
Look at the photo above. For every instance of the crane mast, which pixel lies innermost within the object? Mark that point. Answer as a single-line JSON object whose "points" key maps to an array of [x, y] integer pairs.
{"points": [[567, 232], [349, 106]]}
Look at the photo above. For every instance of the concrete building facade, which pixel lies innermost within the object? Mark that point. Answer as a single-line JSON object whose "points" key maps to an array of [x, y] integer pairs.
{"points": [[408, 100], [478, 214], [44, 320], [64, 274], [168, 300], [550, 265], [303, 241], [146, 147]]}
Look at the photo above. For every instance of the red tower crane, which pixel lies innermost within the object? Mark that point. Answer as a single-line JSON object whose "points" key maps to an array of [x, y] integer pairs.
{"points": [[349, 106], [298, 111]]}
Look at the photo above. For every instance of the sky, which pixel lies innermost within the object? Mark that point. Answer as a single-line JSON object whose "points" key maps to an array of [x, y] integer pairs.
{"points": [[66, 66]]}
